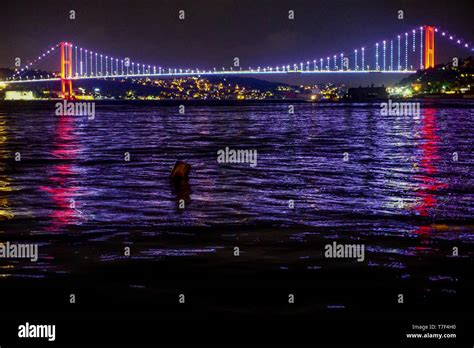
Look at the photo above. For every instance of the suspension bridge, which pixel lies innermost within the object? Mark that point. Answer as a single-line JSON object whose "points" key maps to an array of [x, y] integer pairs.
{"points": [[404, 53]]}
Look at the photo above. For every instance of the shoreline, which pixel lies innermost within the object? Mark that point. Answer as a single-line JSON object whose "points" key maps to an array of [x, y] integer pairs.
{"points": [[441, 102]]}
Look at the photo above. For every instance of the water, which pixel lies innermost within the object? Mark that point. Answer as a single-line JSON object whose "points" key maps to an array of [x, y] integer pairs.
{"points": [[391, 183]]}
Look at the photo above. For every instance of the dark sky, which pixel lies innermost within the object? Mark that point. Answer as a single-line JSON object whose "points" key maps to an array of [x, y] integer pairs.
{"points": [[215, 31]]}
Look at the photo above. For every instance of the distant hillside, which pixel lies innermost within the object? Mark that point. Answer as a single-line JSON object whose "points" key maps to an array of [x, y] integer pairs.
{"points": [[248, 82], [443, 78], [192, 87], [4, 73]]}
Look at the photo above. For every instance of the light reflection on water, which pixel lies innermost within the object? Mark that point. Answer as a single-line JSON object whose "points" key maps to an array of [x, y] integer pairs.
{"points": [[400, 192], [62, 189]]}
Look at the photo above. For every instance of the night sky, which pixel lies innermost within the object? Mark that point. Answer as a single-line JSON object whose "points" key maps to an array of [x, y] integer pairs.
{"points": [[215, 31]]}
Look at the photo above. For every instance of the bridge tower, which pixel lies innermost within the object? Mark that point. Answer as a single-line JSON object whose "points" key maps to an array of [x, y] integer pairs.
{"points": [[429, 47], [66, 70]]}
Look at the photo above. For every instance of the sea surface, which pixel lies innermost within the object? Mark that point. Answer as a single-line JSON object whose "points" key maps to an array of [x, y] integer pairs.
{"points": [[87, 189]]}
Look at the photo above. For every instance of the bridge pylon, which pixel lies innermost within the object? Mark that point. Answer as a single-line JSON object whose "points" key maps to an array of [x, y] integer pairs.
{"points": [[429, 47], [66, 70]]}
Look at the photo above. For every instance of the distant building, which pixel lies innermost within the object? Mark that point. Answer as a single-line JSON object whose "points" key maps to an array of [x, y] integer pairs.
{"points": [[367, 93], [19, 95]]}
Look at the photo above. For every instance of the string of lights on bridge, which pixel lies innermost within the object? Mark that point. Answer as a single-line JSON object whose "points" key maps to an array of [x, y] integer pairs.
{"points": [[41, 57], [388, 56], [330, 63]]}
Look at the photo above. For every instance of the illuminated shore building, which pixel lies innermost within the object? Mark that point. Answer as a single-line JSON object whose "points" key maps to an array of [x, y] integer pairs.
{"points": [[19, 95]]}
